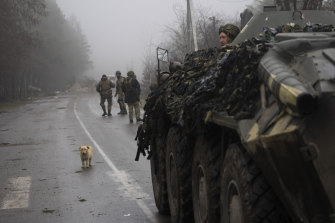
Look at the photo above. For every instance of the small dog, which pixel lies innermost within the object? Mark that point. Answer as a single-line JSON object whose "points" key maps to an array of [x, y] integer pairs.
{"points": [[86, 153]]}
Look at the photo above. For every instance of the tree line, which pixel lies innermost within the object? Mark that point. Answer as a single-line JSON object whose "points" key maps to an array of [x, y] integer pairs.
{"points": [[207, 26], [40, 50]]}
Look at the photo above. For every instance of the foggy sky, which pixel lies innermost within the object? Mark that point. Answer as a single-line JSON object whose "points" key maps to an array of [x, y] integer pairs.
{"points": [[120, 31]]}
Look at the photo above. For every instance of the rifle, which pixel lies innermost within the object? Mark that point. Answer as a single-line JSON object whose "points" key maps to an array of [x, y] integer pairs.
{"points": [[140, 135]]}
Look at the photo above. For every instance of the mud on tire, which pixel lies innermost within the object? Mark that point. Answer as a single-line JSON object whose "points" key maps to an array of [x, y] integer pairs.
{"points": [[158, 176], [245, 194], [178, 173], [158, 171], [205, 180]]}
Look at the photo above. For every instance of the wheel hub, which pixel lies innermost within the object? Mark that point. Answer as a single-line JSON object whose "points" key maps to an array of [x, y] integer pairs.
{"points": [[235, 204], [202, 194]]}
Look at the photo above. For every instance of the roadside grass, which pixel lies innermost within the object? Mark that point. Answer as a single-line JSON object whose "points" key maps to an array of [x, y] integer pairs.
{"points": [[8, 104], [11, 104], [47, 211]]}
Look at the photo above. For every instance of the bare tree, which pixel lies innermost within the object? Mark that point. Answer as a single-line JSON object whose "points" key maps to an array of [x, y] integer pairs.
{"points": [[312, 4], [329, 5], [149, 71], [208, 27], [207, 23], [176, 42]]}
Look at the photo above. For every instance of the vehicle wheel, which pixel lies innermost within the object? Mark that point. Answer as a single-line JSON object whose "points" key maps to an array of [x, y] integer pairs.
{"points": [[205, 180], [158, 174], [245, 194], [178, 173]]}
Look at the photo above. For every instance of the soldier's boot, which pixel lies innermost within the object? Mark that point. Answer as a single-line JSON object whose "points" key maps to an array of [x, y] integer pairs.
{"points": [[120, 105], [104, 110], [124, 112], [139, 120], [109, 112]]}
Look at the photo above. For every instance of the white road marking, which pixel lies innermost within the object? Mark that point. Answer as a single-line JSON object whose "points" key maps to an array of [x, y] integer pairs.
{"points": [[18, 193], [132, 188]]}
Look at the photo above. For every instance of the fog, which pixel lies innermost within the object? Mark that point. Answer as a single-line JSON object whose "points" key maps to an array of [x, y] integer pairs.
{"points": [[119, 32]]}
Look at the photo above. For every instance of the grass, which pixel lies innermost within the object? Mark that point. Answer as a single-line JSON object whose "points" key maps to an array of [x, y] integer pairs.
{"points": [[4, 105], [47, 211]]}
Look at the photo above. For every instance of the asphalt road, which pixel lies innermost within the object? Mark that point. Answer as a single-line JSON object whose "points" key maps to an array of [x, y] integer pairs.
{"points": [[40, 168]]}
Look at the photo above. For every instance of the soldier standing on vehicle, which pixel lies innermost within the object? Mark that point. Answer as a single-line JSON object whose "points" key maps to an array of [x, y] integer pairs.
{"points": [[132, 90], [228, 33], [119, 92], [104, 87]]}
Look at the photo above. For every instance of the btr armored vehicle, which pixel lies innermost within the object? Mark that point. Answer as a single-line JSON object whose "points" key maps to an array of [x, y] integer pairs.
{"points": [[246, 133]]}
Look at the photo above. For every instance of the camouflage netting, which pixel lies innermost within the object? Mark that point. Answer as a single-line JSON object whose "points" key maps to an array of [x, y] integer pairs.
{"points": [[214, 79], [223, 80]]}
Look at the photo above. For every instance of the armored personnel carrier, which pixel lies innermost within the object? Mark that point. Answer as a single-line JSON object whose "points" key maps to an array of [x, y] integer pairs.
{"points": [[245, 133]]}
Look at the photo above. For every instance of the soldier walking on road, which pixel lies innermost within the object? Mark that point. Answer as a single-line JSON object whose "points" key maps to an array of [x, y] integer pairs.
{"points": [[119, 92], [132, 91], [104, 87]]}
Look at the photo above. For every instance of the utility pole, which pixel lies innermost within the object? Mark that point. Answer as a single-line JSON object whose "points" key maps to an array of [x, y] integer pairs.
{"points": [[191, 28], [214, 31], [213, 19]]}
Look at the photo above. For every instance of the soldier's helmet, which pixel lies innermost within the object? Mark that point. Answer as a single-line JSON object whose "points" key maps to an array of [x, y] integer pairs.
{"points": [[118, 73], [175, 66], [164, 76], [231, 30], [104, 75], [130, 73]]}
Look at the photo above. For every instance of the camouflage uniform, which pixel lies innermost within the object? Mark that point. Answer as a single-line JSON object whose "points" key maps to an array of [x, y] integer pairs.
{"points": [[132, 90], [119, 92], [104, 87]]}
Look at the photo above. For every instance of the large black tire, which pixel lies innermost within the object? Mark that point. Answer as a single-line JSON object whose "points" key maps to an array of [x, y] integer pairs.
{"points": [[206, 180], [158, 177], [158, 171], [178, 174], [245, 195]]}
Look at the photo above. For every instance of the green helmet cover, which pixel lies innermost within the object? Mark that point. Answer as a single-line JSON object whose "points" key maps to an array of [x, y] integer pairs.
{"points": [[130, 73], [229, 29]]}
